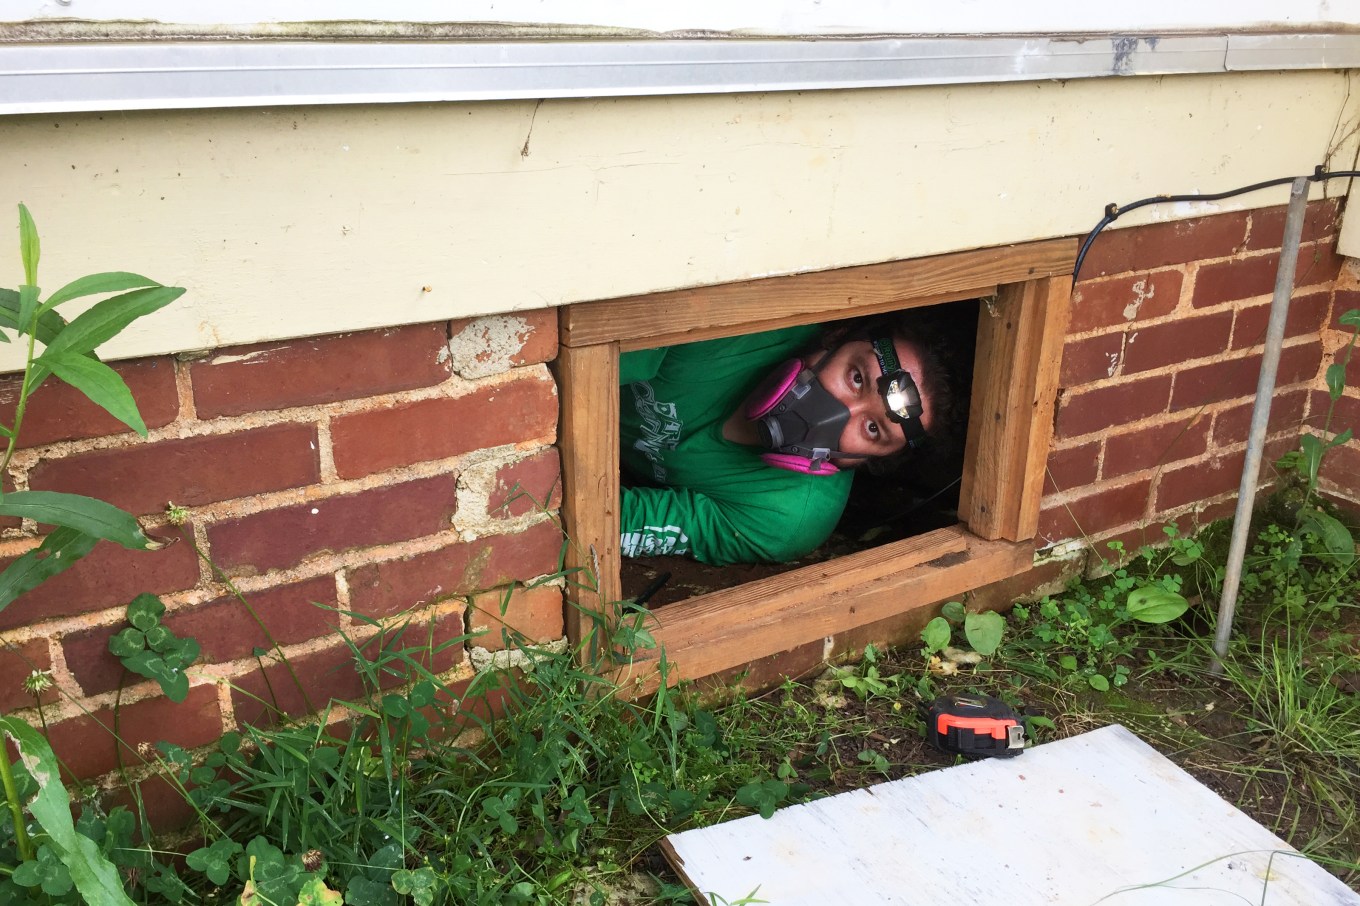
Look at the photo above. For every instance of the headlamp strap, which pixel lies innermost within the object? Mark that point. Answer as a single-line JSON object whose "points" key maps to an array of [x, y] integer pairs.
{"points": [[899, 392]]}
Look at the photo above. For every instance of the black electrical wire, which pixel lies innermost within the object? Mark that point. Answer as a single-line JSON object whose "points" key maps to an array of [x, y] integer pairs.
{"points": [[1113, 211]]}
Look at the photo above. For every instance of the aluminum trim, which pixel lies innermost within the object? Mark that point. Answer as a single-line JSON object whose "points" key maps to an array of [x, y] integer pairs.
{"points": [[1248, 53], [49, 78]]}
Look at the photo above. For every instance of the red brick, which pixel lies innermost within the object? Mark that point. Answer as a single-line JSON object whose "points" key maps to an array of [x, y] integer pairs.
{"points": [[1318, 264], [1267, 224], [1094, 513], [1236, 378], [434, 642], [1346, 413], [1352, 368], [190, 471], [1189, 522], [1205, 479], [1286, 410], [1092, 359], [17, 662], [1124, 300], [382, 589], [1173, 342], [7, 485], [1098, 410], [284, 537], [1154, 446], [444, 644], [163, 803], [504, 615], [107, 576], [1341, 468], [291, 613], [1306, 315], [1346, 300], [89, 748], [1118, 251], [261, 698], [467, 711], [223, 627], [368, 442], [528, 486], [1071, 468], [57, 411], [1226, 281], [537, 340], [317, 370]]}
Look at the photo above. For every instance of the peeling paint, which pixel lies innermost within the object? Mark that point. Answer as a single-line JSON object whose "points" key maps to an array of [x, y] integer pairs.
{"points": [[1141, 294], [257, 357], [488, 346]]}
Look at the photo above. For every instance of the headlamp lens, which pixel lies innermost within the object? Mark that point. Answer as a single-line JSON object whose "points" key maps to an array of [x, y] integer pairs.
{"points": [[899, 391]]}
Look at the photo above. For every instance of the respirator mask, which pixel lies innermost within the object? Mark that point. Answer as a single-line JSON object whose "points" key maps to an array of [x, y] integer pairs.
{"points": [[801, 422]]}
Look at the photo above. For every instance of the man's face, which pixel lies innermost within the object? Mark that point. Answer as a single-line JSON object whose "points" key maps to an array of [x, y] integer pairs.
{"points": [[850, 374]]}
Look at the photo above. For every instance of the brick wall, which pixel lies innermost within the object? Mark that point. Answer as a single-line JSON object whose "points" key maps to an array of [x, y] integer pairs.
{"points": [[1160, 366], [367, 472]]}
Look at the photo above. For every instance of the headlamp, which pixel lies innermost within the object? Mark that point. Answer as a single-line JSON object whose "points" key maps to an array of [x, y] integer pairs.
{"points": [[899, 392]]}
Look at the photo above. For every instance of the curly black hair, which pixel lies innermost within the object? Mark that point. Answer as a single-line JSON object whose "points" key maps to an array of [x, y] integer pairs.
{"points": [[944, 338]]}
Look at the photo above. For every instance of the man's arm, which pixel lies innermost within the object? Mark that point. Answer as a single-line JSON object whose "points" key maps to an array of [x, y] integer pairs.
{"points": [[679, 521]]}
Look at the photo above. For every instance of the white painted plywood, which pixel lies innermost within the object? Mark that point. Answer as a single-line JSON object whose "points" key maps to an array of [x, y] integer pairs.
{"points": [[1083, 820]]}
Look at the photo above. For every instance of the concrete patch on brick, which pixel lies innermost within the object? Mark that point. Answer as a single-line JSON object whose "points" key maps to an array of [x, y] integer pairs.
{"points": [[481, 496], [488, 346], [483, 660]]}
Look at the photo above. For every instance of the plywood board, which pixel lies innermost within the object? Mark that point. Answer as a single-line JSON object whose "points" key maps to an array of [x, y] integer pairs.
{"points": [[1101, 816]]}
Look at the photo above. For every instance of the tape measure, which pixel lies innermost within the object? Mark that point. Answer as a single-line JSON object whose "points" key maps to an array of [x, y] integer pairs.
{"points": [[975, 726]]}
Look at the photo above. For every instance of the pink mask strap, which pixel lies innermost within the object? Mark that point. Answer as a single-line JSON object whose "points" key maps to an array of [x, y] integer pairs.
{"points": [[798, 464], [773, 388]]}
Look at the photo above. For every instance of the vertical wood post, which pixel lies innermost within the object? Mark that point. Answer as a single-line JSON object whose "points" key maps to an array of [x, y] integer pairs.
{"points": [[1019, 351], [588, 380]]}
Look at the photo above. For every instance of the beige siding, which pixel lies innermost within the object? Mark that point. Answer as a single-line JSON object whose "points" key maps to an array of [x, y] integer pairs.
{"points": [[290, 222]]}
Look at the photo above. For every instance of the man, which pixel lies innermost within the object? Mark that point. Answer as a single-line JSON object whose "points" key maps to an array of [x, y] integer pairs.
{"points": [[741, 450]]}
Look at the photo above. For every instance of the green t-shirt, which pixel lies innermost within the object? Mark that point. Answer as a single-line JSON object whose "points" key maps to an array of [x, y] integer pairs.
{"points": [[699, 494]]}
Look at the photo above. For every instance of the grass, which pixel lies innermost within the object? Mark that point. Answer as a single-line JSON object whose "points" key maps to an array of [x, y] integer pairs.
{"points": [[560, 794]]}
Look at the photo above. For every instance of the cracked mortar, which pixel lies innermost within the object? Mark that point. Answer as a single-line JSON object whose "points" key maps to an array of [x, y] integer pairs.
{"points": [[483, 659]]}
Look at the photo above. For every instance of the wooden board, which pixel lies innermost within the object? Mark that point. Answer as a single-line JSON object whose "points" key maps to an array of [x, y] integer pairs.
{"points": [[1000, 494], [1019, 350], [658, 318], [1068, 823], [588, 381], [715, 632], [808, 315]]}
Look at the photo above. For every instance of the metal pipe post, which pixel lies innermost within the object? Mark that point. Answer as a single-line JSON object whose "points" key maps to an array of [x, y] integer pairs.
{"points": [[1260, 416]]}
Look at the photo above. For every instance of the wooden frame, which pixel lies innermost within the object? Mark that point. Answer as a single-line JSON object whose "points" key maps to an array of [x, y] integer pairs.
{"points": [[1020, 335]]}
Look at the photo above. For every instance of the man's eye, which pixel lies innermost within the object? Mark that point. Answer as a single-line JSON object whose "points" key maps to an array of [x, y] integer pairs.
{"points": [[873, 430], [856, 378]]}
